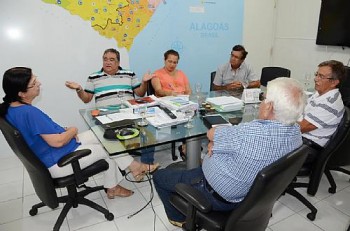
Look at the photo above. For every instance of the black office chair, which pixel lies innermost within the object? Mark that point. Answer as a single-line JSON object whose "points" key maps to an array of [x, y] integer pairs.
{"points": [[345, 88], [316, 170], [45, 185], [212, 77], [270, 73], [339, 159], [254, 211], [150, 89]]}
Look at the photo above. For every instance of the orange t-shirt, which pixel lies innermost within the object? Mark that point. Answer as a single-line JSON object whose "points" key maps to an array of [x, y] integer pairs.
{"points": [[175, 83]]}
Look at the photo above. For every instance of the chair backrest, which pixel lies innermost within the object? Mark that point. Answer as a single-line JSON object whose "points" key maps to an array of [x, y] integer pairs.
{"points": [[212, 76], [337, 142], [255, 210], [38, 173], [341, 155], [345, 88], [150, 89], [270, 73]]}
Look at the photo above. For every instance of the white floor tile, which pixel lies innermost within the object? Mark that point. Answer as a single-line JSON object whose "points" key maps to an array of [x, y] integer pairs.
{"points": [[10, 210], [10, 162], [84, 216], [280, 212], [11, 175], [293, 223], [145, 221], [121, 206], [328, 218], [40, 222], [341, 200], [11, 191], [104, 226]]}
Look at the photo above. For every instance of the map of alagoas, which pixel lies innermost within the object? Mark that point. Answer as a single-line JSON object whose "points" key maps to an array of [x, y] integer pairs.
{"points": [[121, 20]]}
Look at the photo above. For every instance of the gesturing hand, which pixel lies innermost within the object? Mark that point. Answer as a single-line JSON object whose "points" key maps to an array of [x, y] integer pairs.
{"points": [[72, 85]]}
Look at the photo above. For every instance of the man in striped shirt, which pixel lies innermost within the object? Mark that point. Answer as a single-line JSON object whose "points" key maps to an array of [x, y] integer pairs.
{"points": [[108, 83], [324, 109]]}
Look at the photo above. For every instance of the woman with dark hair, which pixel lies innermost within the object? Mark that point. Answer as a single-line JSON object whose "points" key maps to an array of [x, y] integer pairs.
{"points": [[169, 80], [50, 141]]}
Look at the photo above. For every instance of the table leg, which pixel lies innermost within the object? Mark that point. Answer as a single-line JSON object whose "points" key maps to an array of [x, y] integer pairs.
{"points": [[193, 152]]}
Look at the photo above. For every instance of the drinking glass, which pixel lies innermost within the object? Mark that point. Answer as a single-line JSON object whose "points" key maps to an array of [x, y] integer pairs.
{"points": [[189, 113], [307, 79], [142, 111], [198, 88]]}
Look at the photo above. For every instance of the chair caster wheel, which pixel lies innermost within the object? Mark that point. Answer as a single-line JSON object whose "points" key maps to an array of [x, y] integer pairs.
{"points": [[311, 216], [332, 190], [109, 216], [33, 212]]}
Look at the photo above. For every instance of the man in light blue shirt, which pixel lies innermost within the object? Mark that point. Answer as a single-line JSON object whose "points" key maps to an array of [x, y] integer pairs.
{"points": [[237, 153]]}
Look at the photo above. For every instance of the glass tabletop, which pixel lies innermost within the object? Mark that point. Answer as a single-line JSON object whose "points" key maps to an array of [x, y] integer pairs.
{"points": [[150, 136]]}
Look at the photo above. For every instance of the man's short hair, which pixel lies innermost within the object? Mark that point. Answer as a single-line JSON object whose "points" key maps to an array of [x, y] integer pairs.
{"points": [[112, 50], [338, 69], [288, 98], [242, 50]]}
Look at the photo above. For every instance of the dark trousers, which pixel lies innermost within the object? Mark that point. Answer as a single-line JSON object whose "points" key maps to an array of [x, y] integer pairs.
{"points": [[313, 150], [165, 181]]}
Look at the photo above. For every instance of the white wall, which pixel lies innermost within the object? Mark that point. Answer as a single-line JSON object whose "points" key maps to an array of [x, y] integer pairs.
{"points": [[292, 26]]}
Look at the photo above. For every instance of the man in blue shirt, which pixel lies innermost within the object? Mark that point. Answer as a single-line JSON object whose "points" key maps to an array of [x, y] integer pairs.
{"points": [[237, 153]]}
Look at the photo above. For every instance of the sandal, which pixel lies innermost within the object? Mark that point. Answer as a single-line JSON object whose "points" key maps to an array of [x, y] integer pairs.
{"points": [[118, 191], [140, 173]]}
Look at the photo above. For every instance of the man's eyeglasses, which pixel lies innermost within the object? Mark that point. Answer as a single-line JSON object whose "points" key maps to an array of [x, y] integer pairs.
{"points": [[318, 75]]}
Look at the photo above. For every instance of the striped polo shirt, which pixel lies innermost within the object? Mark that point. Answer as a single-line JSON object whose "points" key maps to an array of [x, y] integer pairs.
{"points": [[325, 112], [105, 87]]}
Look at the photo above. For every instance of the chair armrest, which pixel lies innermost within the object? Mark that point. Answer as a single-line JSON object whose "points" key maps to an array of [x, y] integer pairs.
{"points": [[73, 156], [194, 197]]}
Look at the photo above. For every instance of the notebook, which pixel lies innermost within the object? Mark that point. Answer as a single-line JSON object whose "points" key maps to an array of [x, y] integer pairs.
{"points": [[215, 120]]}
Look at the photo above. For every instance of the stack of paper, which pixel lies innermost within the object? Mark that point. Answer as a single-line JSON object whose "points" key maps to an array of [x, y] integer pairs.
{"points": [[178, 102], [251, 95], [226, 103], [161, 119]]}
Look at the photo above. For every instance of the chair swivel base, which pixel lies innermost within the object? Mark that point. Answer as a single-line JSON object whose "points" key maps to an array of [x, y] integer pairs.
{"points": [[73, 201]]}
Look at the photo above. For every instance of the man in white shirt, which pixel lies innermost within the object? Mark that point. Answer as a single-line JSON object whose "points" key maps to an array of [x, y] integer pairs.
{"points": [[324, 109], [236, 73]]}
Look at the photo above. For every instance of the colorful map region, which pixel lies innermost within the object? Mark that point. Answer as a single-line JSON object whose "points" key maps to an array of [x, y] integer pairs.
{"points": [[121, 20]]}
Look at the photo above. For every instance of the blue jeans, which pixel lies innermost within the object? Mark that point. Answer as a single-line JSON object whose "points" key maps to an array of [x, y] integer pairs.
{"points": [[147, 155], [165, 181]]}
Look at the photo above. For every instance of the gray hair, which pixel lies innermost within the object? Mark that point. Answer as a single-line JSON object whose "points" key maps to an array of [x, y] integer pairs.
{"points": [[288, 99]]}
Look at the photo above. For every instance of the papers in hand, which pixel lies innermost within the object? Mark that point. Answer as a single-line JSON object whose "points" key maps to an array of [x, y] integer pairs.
{"points": [[161, 119], [226, 103]]}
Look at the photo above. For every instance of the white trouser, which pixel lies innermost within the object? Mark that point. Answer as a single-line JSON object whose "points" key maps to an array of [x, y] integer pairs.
{"points": [[112, 176]]}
